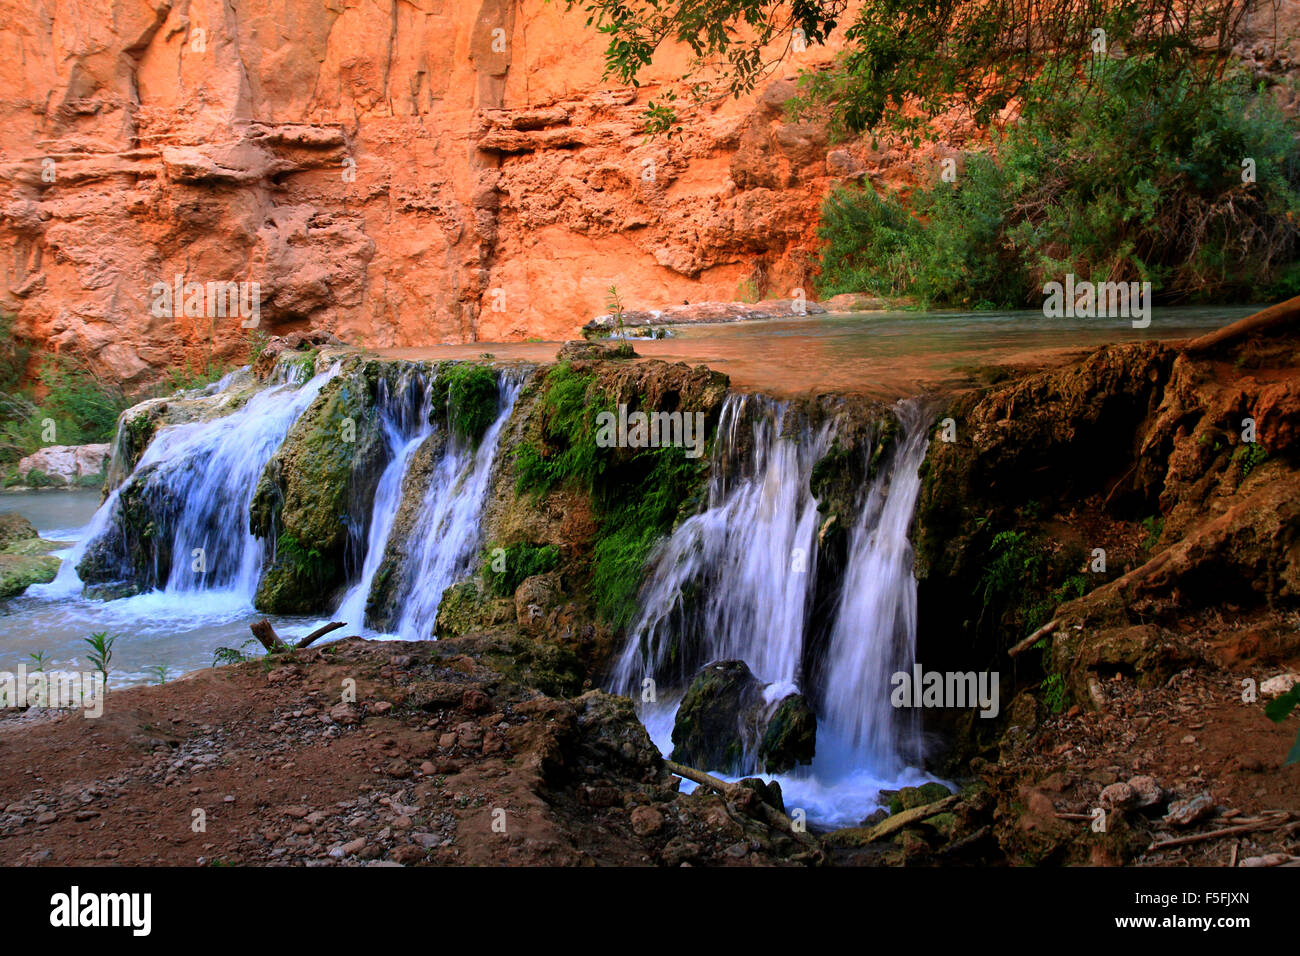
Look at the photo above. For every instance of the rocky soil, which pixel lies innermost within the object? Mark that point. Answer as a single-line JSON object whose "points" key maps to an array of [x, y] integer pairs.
{"points": [[439, 760]]}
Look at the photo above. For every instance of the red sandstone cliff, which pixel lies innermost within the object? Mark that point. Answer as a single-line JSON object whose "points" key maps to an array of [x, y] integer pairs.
{"points": [[400, 173]]}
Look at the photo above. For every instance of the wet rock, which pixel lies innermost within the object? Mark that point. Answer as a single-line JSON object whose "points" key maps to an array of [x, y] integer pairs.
{"points": [[909, 798], [726, 724], [790, 737], [610, 731]]}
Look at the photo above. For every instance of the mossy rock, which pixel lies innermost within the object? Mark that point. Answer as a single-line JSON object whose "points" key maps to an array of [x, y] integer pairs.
{"points": [[19, 571], [790, 737], [911, 797], [35, 546], [466, 608], [318, 482], [725, 725], [134, 554], [14, 527]]}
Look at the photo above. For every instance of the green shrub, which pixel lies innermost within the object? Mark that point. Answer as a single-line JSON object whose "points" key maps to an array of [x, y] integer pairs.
{"points": [[36, 478], [1143, 182], [872, 244], [82, 408]]}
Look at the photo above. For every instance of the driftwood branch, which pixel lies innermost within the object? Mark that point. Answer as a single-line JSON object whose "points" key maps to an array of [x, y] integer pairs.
{"points": [[771, 815], [1284, 313], [1215, 834], [898, 821], [1033, 638], [265, 633], [320, 632]]}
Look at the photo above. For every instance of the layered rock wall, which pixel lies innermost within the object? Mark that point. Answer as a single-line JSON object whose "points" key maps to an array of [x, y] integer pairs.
{"points": [[400, 173]]}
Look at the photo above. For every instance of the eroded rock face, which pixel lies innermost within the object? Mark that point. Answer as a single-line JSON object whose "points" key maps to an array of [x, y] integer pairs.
{"points": [[403, 175], [398, 174]]}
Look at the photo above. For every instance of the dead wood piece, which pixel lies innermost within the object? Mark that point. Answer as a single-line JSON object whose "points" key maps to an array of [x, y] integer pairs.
{"points": [[771, 815], [1033, 638]]}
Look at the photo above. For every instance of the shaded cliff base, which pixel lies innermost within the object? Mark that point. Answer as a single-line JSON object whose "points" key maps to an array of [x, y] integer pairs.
{"points": [[1178, 461]]}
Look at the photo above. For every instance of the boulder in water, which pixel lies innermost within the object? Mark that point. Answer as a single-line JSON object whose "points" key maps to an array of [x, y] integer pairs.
{"points": [[14, 528], [315, 486], [23, 556], [790, 736], [727, 724]]}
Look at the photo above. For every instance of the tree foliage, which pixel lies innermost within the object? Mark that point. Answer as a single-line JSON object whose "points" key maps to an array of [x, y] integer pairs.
{"points": [[906, 61]]}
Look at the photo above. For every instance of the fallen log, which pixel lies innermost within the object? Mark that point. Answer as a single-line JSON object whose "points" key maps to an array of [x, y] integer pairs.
{"points": [[1034, 638], [771, 815], [265, 633], [906, 818], [1275, 316]]}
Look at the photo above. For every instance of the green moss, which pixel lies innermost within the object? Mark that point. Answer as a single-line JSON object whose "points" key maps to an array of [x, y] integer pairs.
{"points": [[637, 495], [308, 490], [519, 561], [19, 571], [645, 509], [469, 393], [567, 415]]}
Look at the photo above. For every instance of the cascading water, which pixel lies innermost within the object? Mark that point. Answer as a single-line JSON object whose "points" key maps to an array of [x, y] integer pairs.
{"points": [[733, 582], [737, 581], [874, 635], [445, 535], [404, 418], [199, 479]]}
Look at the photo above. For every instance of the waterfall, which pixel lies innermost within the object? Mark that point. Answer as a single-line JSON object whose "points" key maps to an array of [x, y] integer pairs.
{"points": [[199, 479], [874, 634], [737, 581], [446, 534], [404, 420]]}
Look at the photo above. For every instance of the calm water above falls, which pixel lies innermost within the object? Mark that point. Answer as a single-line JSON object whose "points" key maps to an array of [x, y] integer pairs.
{"points": [[887, 355]]}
